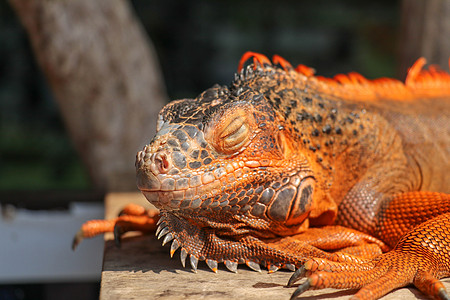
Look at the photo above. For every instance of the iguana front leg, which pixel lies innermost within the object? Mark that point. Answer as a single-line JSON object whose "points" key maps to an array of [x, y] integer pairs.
{"points": [[421, 256], [132, 218], [233, 243]]}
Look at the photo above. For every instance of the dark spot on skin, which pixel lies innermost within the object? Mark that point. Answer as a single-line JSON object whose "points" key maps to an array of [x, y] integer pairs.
{"points": [[355, 132], [207, 161], [261, 125], [243, 201], [315, 132], [204, 154], [191, 131], [293, 103], [304, 197], [355, 115], [276, 185], [234, 201], [318, 118], [280, 207], [333, 117], [172, 143], [215, 204], [195, 164], [196, 203], [266, 196], [181, 136], [185, 146], [287, 111], [304, 115], [185, 203], [253, 201], [307, 100], [259, 190], [312, 148], [258, 210], [173, 171], [326, 129], [179, 159], [321, 105], [338, 130], [194, 154], [349, 120], [206, 203]]}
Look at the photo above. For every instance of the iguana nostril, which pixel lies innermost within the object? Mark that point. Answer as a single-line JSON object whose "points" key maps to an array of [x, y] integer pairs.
{"points": [[161, 162]]}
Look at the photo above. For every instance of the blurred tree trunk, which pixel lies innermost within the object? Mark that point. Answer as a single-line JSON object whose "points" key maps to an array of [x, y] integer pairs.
{"points": [[425, 31], [104, 75]]}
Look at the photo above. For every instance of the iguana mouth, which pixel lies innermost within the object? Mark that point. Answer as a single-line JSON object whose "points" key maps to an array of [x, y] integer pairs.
{"points": [[168, 187]]}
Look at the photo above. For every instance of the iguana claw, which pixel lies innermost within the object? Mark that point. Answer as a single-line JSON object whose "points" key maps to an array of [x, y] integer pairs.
{"points": [[301, 289], [299, 273]]}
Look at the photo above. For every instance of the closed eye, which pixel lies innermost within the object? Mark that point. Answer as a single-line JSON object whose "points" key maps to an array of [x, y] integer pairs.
{"points": [[235, 135], [229, 131]]}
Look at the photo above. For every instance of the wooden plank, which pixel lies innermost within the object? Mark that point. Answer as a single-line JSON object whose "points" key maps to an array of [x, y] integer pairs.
{"points": [[142, 268]]}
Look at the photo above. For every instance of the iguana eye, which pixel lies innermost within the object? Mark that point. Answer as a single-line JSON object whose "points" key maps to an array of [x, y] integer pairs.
{"points": [[229, 131], [234, 135]]}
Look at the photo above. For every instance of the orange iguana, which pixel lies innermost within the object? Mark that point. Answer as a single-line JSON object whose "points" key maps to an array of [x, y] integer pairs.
{"points": [[344, 179]]}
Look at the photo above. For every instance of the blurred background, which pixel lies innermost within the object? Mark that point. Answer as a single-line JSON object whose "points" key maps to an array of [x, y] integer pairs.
{"points": [[81, 84]]}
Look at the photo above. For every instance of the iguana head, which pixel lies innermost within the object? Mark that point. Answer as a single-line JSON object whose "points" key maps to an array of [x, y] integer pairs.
{"points": [[229, 156]]}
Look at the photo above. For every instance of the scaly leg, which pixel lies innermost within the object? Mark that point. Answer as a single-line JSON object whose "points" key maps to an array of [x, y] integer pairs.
{"points": [[231, 244], [132, 218], [421, 256]]}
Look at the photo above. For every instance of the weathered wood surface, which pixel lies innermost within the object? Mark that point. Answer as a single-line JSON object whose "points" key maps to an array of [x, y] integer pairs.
{"points": [[143, 269]]}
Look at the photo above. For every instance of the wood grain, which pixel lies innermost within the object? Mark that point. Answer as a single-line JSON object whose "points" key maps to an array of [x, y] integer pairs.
{"points": [[143, 269]]}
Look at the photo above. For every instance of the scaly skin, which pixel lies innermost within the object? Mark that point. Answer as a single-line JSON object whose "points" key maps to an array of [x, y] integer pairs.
{"points": [[285, 169]]}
